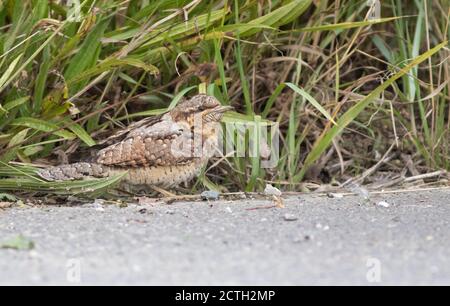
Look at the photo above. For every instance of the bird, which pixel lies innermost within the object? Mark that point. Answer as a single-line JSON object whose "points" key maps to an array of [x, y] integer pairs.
{"points": [[160, 151]]}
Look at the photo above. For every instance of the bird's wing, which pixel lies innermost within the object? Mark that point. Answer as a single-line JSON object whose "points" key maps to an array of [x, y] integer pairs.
{"points": [[123, 133], [163, 143]]}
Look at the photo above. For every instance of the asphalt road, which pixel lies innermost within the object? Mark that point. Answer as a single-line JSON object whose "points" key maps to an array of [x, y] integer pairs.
{"points": [[313, 240]]}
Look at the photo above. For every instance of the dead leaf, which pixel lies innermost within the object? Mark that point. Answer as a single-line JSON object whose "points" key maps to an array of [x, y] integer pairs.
{"points": [[278, 201], [18, 243], [5, 204]]}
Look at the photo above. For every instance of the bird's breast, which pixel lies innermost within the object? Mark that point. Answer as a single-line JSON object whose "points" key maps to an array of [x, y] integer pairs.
{"points": [[162, 176]]}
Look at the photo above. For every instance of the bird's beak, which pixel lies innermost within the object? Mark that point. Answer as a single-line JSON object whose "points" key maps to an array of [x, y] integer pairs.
{"points": [[223, 109], [216, 114]]}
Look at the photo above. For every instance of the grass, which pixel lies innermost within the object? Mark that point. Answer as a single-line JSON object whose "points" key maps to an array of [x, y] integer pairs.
{"points": [[343, 87]]}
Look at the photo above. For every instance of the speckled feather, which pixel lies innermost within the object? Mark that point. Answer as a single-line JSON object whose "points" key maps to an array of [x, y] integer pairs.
{"points": [[148, 145]]}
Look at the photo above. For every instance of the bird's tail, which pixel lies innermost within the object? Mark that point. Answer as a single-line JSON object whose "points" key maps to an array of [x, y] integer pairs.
{"points": [[74, 171]]}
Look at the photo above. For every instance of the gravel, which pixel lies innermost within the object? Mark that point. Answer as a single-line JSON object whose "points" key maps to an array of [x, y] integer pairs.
{"points": [[248, 242]]}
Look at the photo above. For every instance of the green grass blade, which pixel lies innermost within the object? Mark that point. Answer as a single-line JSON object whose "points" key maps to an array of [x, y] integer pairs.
{"points": [[311, 100], [43, 126], [80, 132], [345, 25]]}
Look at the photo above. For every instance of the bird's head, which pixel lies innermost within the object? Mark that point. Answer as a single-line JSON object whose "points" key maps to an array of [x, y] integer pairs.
{"points": [[201, 106]]}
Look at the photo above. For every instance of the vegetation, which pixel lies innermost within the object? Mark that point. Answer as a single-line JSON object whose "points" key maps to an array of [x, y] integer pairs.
{"points": [[345, 87]]}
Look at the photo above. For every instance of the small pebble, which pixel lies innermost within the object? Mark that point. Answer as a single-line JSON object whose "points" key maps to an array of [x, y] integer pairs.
{"points": [[98, 205], [383, 204], [302, 238], [290, 217], [270, 190], [322, 227], [210, 195], [99, 202], [335, 195]]}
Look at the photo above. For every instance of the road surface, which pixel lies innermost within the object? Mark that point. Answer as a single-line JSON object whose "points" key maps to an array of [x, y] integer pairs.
{"points": [[401, 238]]}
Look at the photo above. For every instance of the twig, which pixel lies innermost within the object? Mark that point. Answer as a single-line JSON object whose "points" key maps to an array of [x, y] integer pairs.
{"points": [[425, 176], [262, 207], [385, 159], [409, 164]]}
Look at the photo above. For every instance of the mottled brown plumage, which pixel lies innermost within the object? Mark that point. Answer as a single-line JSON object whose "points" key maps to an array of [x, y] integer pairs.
{"points": [[163, 150]]}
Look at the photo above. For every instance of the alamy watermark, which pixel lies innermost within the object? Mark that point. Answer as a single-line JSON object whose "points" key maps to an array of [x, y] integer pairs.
{"points": [[73, 271], [253, 139], [374, 9], [373, 274], [74, 12]]}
